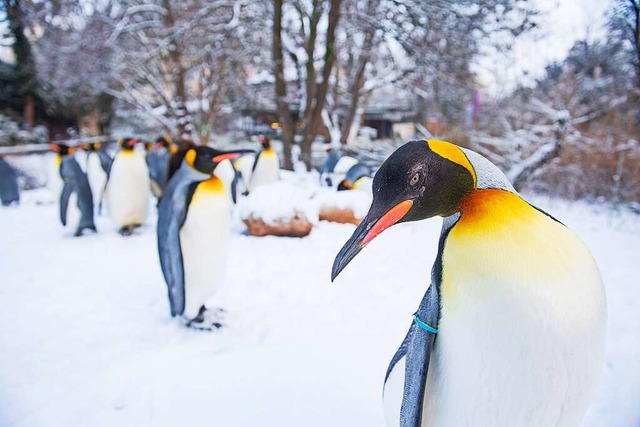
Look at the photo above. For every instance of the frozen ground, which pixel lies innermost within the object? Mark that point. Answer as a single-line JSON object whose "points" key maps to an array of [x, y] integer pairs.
{"points": [[86, 338]]}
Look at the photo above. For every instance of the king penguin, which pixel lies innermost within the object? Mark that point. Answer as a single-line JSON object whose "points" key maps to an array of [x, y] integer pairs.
{"points": [[75, 199], [511, 331], [54, 179], [97, 169], [358, 177], [9, 192], [128, 188], [266, 167], [158, 163], [193, 230]]}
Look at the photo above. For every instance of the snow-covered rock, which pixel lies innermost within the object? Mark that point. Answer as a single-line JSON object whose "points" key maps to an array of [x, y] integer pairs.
{"points": [[278, 209], [342, 206]]}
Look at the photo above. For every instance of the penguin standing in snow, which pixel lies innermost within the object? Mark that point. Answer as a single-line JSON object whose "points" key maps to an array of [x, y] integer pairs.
{"points": [[157, 158], [244, 166], [328, 166], [9, 192], [193, 229], [230, 178], [54, 179], [358, 178], [76, 199], [97, 169], [266, 168], [511, 331], [128, 188]]}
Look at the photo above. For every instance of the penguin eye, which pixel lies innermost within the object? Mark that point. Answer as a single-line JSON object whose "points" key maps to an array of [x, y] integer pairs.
{"points": [[415, 178]]}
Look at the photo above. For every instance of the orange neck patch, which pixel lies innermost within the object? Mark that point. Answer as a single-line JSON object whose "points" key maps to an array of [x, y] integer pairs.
{"points": [[452, 152], [213, 184], [489, 208]]}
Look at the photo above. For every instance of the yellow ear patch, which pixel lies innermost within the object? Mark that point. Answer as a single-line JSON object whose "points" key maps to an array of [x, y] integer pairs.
{"points": [[452, 152], [190, 157]]}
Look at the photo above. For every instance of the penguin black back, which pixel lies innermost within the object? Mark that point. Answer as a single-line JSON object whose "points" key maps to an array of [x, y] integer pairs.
{"points": [[9, 192]]}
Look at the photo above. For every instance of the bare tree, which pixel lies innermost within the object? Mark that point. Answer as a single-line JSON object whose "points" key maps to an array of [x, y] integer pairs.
{"points": [[304, 44], [178, 60]]}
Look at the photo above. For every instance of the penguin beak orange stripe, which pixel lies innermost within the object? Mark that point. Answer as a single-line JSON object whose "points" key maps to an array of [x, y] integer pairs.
{"points": [[369, 229], [227, 156], [394, 215]]}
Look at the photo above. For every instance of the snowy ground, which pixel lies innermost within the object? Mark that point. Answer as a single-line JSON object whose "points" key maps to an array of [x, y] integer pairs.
{"points": [[86, 338]]}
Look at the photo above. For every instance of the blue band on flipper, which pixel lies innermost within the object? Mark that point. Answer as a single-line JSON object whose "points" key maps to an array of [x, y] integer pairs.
{"points": [[423, 325]]}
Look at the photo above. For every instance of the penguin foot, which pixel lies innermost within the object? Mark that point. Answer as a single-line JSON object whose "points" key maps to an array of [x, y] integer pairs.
{"points": [[125, 231], [80, 231], [207, 319]]}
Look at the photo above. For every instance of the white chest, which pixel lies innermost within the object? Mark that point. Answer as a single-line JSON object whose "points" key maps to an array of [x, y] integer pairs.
{"points": [[128, 189], [266, 171], [204, 240], [521, 337], [97, 177]]}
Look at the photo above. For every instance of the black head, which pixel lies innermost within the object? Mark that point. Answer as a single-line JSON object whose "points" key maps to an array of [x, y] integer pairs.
{"points": [[418, 181], [264, 141], [62, 149], [205, 159], [163, 142], [127, 143]]}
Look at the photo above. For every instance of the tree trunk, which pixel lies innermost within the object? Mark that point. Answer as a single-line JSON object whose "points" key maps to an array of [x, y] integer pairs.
{"points": [[356, 89], [29, 111], [636, 11], [25, 63], [286, 121], [178, 71], [315, 117]]}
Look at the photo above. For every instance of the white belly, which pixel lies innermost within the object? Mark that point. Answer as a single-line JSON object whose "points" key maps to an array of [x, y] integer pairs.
{"points": [[81, 158], [266, 171], [73, 213], [521, 348], [203, 239], [97, 177], [54, 180], [245, 165], [226, 173], [128, 189]]}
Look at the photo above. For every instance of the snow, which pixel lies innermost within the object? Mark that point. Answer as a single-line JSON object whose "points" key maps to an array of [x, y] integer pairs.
{"points": [[355, 200], [87, 339], [277, 203]]}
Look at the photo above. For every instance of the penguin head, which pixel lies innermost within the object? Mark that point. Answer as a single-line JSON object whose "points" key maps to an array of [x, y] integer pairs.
{"points": [[127, 143], [62, 149], [264, 141], [344, 185], [205, 159], [91, 146], [164, 142], [420, 180]]}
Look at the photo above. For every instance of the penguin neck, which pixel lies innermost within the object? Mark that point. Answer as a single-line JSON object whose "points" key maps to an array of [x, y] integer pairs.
{"points": [[498, 237], [212, 184], [488, 209]]}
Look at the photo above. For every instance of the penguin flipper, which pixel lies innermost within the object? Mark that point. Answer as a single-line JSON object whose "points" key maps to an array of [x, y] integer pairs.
{"points": [[105, 161], [419, 348], [255, 161], [172, 213], [234, 185], [67, 190]]}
